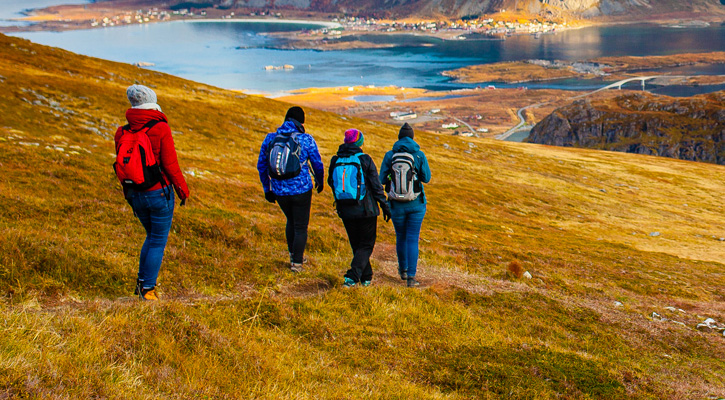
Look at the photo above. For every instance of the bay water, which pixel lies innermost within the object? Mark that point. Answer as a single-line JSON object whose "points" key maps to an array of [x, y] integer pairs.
{"points": [[232, 53]]}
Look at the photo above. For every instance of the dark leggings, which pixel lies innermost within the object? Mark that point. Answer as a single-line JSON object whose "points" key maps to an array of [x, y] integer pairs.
{"points": [[362, 233], [297, 210]]}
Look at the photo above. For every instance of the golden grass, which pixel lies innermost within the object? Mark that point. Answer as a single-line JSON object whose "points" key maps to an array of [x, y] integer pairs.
{"points": [[234, 323], [617, 67], [509, 72], [497, 108]]}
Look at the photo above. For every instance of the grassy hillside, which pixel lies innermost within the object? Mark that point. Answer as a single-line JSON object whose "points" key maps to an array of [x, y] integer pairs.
{"points": [[235, 323]]}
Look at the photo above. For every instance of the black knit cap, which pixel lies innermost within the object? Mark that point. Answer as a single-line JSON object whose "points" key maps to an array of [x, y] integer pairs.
{"points": [[296, 113], [405, 131]]}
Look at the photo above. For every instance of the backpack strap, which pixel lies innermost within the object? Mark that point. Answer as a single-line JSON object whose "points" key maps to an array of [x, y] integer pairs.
{"points": [[147, 126], [150, 125]]}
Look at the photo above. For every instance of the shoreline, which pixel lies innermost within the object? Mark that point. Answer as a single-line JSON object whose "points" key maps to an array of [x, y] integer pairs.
{"points": [[66, 17], [327, 24]]}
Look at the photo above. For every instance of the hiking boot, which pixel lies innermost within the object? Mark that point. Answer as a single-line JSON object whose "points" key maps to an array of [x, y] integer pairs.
{"points": [[366, 283], [137, 289], [404, 275], [348, 283], [412, 282], [294, 267], [148, 294], [304, 259]]}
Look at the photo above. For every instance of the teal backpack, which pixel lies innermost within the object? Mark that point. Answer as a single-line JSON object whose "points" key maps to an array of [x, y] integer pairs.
{"points": [[348, 182]]}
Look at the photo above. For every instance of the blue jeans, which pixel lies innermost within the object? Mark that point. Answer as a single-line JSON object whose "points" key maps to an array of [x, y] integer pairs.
{"points": [[155, 212], [407, 222]]}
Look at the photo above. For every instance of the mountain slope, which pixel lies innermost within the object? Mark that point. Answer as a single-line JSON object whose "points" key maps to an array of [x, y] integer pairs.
{"points": [[449, 8], [234, 323], [689, 129]]}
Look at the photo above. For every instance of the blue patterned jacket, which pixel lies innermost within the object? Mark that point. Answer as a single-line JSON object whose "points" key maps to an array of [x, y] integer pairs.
{"points": [[308, 151]]}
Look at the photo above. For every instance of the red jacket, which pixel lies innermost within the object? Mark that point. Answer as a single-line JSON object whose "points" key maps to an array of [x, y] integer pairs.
{"points": [[163, 145]]}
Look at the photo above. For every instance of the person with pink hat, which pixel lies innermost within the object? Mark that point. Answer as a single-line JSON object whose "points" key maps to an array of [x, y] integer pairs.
{"points": [[354, 180]]}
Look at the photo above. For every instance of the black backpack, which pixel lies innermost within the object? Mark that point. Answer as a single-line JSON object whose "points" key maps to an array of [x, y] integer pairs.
{"points": [[283, 159]]}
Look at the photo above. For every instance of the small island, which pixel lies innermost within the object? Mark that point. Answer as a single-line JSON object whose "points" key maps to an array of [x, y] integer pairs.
{"points": [[614, 68]]}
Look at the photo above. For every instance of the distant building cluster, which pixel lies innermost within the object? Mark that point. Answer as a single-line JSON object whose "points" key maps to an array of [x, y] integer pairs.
{"points": [[137, 17], [431, 115], [486, 26]]}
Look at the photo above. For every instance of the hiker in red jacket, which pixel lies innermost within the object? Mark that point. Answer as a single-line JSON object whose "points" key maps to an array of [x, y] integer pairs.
{"points": [[154, 206]]}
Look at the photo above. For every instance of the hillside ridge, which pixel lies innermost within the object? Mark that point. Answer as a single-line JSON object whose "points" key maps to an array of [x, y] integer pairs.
{"points": [[689, 128], [611, 310]]}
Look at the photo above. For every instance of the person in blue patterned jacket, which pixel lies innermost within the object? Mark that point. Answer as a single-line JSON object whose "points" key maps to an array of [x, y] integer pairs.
{"points": [[294, 195]]}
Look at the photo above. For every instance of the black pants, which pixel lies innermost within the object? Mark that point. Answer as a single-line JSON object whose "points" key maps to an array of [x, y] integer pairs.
{"points": [[297, 210], [362, 233]]}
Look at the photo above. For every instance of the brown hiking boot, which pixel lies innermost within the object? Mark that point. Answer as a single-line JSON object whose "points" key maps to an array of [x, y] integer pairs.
{"points": [[412, 282], [148, 294]]}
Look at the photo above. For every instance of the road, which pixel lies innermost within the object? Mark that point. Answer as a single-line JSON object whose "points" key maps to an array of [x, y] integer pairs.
{"points": [[464, 123], [522, 120]]}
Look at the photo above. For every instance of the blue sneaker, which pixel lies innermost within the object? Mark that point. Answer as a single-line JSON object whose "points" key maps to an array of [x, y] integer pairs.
{"points": [[348, 283], [366, 283]]}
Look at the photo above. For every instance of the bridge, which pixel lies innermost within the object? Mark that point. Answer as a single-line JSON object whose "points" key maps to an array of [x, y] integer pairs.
{"points": [[619, 84], [521, 126]]}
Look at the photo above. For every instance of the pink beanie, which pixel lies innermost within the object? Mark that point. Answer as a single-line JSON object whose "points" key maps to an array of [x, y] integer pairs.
{"points": [[353, 135]]}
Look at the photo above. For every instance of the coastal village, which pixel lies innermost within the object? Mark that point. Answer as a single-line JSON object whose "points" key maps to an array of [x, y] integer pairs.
{"points": [[137, 17], [499, 27]]}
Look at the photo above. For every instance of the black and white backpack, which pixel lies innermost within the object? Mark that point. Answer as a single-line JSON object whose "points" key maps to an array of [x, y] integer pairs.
{"points": [[404, 184]]}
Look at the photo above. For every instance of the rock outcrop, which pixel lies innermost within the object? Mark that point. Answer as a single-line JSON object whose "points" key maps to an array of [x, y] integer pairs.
{"points": [[689, 129]]}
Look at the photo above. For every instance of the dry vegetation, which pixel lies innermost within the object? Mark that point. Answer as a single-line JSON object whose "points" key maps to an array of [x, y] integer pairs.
{"points": [[234, 323], [493, 109], [617, 68], [631, 63], [509, 72]]}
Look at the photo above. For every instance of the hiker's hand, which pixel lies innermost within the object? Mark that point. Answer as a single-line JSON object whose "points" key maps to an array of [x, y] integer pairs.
{"points": [[319, 186], [386, 214], [183, 203], [270, 196]]}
